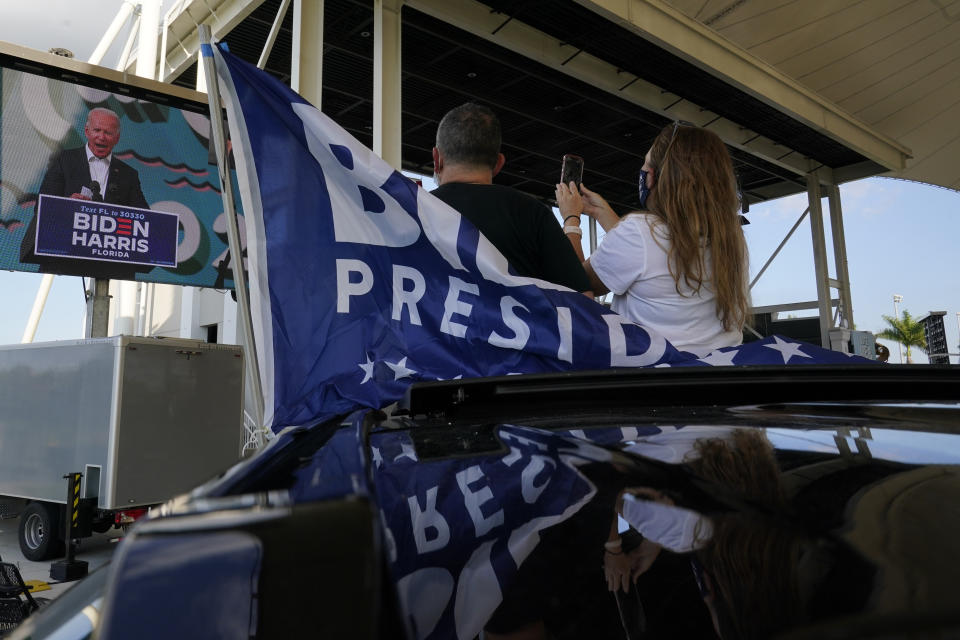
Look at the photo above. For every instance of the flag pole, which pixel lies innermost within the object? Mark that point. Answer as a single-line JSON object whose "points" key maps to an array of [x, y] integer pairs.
{"points": [[233, 232]]}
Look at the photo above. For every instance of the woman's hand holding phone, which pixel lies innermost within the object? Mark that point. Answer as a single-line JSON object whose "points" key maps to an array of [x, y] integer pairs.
{"points": [[568, 200]]}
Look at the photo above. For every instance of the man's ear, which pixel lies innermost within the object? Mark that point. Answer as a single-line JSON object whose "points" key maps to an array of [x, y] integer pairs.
{"points": [[499, 165], [437, 160]]}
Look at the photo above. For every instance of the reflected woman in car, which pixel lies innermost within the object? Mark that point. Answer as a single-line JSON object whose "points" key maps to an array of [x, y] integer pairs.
{"points": [[744, 562], [679, 266], [706, 552]]}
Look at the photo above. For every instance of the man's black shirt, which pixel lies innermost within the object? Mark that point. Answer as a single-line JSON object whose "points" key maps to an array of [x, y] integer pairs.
{"points": [[521, 228]]}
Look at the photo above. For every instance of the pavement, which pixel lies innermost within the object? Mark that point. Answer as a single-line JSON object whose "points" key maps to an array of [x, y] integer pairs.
{"points": [[96, 550]]}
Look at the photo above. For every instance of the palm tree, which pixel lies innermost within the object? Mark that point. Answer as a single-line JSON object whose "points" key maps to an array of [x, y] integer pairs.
{"points": [[906, 331]]}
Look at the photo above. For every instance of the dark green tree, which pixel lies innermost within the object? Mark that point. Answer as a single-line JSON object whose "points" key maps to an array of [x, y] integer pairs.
{"points": [[906, 331]]}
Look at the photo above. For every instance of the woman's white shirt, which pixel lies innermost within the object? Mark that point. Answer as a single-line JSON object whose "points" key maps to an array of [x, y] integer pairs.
{"points": [[633, 264]]}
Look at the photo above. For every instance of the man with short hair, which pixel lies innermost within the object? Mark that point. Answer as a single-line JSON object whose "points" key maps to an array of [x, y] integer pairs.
{"points": [[94, 167], [465, 160], [90, 172]]}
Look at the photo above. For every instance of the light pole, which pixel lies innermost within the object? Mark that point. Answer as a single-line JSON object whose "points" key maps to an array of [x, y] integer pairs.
{"points": [[897, 299], [958, 339]]}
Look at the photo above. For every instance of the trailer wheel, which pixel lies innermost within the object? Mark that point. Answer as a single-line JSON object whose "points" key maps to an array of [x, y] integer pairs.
{"points": [[102, 526], [40, 535]]}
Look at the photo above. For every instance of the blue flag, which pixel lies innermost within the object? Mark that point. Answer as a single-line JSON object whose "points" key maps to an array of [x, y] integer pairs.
{"points": [[362, 283]]}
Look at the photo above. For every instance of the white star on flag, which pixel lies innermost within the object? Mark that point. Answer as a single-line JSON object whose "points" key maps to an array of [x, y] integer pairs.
{"points": [[786, 349], [406, 451], [720, 358], [367, 370], [400, 369]]}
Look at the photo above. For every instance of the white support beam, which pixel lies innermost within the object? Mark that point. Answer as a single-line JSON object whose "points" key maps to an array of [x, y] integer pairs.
{"points": [[149, 40], [111, 34], [840, 255], [149, 303], [139, 324], [189, 313], [779, 248], [201, 84], [820, 259], [387, 81], [38, 303], [125, 320], [275, 31], [306, 64], [658, 22], [182, 41], [228, 327], [128, 45], [791, 306]]}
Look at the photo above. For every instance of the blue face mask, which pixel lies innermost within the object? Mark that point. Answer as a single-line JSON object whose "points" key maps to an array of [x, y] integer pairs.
{"points": [[644, 189]]}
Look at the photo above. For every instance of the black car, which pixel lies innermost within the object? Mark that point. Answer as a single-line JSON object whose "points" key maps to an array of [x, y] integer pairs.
{"points": [[735, 502]]}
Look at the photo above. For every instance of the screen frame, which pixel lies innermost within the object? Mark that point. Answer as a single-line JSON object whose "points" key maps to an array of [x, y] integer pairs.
{"points": [[45, 64], [121, 83]]}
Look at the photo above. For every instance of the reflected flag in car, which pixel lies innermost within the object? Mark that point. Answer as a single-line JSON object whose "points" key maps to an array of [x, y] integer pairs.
{"points": [[458, 530]]}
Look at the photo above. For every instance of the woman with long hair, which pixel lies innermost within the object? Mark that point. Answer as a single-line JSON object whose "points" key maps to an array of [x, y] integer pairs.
{"points": [[679, 267]]}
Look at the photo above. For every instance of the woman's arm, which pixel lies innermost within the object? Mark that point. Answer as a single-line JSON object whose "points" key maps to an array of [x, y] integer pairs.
{"points": [[617, 567], [597, 208], [571, 205], [599, 288]]}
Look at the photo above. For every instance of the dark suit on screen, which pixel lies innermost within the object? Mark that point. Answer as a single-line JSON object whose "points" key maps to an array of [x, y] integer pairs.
{"points": [[67, 173]]}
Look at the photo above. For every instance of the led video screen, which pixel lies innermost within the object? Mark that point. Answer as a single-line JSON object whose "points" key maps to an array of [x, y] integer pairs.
{"points": [[107, 179]]}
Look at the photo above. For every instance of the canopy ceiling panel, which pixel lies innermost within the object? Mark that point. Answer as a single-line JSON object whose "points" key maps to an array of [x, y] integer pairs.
{"points": [[575, 77], [894, 64]]}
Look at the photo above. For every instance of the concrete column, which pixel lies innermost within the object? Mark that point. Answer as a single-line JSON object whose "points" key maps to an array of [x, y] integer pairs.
{"points": [[820, 259], [189, 312], [387, 80], [38, 303], [149, 38], [148, 307], [141, 300], [98, 309], [228, 327], [306, 64], [201, 77], [840, 254], [126, 294]]}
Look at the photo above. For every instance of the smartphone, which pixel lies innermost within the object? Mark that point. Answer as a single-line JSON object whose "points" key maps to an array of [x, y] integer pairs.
{"points": [[572, 169]]}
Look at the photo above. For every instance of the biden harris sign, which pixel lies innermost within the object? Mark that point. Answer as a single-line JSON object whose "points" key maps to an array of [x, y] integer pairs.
{"points": [[101, 231]]}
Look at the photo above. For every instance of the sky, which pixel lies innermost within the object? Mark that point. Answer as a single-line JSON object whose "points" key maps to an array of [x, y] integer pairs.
{"points": [[902, 237]]}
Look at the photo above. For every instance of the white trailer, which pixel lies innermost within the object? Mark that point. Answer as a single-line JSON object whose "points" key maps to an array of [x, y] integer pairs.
{"points": [[143, 419]]}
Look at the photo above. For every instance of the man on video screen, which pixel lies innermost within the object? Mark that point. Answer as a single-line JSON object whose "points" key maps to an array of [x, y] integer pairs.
{"points": [[90, 172]]}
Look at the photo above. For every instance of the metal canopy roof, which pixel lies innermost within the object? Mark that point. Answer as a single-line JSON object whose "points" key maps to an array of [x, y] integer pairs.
{"points": [[579, 78], [894, 64]]}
